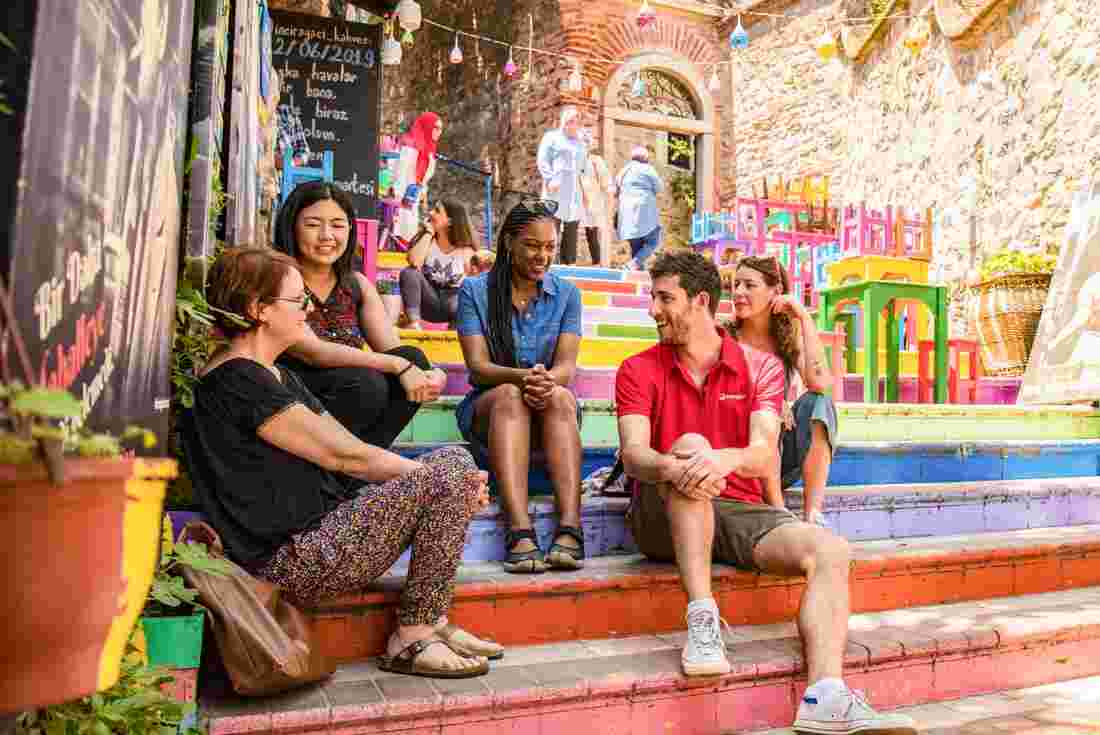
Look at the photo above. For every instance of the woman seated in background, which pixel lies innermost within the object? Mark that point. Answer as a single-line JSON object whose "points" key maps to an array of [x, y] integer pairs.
{"points": [[438, 261], [263, 456], [373, 393], [765, 318], [519, 326]]}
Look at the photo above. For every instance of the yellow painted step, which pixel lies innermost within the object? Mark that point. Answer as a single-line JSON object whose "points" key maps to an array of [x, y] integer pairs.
{"points": [[604, 352]]}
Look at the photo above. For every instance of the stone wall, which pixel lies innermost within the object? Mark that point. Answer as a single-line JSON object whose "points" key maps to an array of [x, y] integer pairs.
{"points": [[995, 129]]}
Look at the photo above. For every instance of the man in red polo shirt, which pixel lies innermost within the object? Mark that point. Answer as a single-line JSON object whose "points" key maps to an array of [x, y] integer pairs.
{"points": [[699, 419]]}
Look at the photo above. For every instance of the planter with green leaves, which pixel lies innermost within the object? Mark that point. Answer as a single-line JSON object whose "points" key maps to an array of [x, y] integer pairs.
{"points": [[135, 704], [79, 535], [173, 617]]}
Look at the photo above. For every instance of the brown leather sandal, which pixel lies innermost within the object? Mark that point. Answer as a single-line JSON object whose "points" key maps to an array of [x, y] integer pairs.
{"points": [[405, 663], [465, 643]]}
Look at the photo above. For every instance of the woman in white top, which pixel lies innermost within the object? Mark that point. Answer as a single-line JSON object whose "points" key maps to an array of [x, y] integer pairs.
{"points": [[561, 159], [437, 265], [596, 186]]}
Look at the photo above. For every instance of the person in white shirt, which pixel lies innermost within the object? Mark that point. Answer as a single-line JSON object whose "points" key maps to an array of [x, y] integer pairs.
{"points": [[596, 187], [561, 160]]}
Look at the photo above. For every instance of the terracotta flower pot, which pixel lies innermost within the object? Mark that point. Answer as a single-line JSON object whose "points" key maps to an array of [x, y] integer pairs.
{"points": [[76, 562]]}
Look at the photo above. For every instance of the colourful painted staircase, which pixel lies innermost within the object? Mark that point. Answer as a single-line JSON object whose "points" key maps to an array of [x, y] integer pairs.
{"points": [[976, 568]]}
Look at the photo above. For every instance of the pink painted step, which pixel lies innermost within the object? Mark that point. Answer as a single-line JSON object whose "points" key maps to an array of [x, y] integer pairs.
{"points": [[633, 686]]}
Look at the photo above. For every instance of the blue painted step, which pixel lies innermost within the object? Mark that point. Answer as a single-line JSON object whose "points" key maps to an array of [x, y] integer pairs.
{"points": [[881, 463]]}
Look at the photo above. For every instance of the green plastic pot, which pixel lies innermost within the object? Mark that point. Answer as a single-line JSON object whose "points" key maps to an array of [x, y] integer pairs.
{"points": [[174, 641]]}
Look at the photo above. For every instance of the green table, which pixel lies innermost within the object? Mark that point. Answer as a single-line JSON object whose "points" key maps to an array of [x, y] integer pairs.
{"points": [[874, 296]]}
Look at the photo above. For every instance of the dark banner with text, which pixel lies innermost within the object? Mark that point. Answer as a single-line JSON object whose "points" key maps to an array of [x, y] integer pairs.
{"points": [[332, 78], [97, 223]]}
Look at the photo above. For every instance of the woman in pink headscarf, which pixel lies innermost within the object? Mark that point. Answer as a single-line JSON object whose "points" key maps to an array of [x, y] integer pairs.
{"points": [[416, 167]]}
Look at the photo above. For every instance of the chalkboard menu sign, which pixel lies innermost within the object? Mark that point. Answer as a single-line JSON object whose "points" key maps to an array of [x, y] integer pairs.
{"points": [[332, 77]]}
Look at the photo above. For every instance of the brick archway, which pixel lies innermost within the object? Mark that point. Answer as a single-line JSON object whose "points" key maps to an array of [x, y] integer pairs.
{"points": [[706, 127]]}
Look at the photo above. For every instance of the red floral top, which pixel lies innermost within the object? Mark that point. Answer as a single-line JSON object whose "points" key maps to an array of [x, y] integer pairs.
{"points": [[337, 319]]}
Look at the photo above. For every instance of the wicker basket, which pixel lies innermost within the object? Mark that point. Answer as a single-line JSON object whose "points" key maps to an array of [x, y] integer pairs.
{"points": [[1007, 310]]}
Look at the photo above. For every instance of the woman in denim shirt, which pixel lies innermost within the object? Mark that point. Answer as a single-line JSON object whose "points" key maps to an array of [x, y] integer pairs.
{"points": [[520, 330]]}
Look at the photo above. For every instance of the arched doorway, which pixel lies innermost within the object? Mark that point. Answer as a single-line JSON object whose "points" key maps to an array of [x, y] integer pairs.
{"points": [[657, 100]]}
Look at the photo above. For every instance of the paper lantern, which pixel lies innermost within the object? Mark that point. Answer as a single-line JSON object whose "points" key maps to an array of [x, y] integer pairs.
{"points": [[646, 17], [391, 51], [409, 15], [407, 38], [917, 37], [576, 80], [739, 39], [826, 46], [456, 52], [510, 66], [715, 83]]}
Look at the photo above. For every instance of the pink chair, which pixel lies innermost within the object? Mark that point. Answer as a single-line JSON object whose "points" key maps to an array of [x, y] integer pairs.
{"points": [[954, 348], [836, 340], [367, 233]]}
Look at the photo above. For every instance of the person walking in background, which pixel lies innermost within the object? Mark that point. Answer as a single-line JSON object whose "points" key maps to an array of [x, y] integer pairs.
{"points": [[438, 261], [637, 187], [596, 186], [561, 160], [519, 326], [414, 170]]}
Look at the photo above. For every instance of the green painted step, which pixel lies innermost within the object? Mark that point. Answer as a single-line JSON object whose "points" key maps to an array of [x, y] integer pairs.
{"points": [[629, 331], [880, 422]]}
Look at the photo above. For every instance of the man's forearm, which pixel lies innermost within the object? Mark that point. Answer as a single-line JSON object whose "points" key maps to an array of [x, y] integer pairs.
{"points": [[646, 464], [754, 461]]}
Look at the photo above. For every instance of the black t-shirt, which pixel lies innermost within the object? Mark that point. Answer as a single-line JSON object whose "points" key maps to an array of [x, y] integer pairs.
{"points": [[255, 494]]}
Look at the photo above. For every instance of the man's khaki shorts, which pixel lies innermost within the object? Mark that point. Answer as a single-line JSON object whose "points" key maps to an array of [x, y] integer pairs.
{"points": [[738, 527]]}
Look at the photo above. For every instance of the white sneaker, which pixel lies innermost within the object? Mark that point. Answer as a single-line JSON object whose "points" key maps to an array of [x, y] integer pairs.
{"points": [[846, 712], [705, 652]]}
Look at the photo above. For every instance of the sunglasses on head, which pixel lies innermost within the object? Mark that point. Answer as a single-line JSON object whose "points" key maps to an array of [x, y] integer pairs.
{"points": [[540, 206]]}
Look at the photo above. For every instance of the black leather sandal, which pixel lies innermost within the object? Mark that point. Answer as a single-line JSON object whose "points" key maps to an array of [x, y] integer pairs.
{"points": [[567, 557], [523, 562]]}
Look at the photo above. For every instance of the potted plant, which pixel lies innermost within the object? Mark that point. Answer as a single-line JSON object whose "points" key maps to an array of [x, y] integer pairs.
{"points": [[79, 529], [1009, 295], [172, 621], [134, 705]]}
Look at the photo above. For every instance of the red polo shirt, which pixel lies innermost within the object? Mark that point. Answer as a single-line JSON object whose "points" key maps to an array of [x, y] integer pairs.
{"points": [[654, 384]]}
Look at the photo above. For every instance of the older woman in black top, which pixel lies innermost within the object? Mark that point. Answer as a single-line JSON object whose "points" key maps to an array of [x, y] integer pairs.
{"points": [[263, 454]]}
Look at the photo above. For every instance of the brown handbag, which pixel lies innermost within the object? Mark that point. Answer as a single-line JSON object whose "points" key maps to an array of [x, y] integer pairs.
{"points": [[266, 644]]}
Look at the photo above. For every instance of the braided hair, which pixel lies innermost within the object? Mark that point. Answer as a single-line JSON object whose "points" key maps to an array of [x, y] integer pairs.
{"points": [[780, 326], [502, 346]]}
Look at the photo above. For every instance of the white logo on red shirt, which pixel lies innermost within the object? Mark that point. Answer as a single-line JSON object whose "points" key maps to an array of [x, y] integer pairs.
{"points": [[731, 396]]}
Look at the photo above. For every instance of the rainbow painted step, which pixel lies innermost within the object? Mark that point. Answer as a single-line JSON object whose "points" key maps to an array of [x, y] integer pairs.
{"points": [[884, 422], [633, 685], [443, 347]]}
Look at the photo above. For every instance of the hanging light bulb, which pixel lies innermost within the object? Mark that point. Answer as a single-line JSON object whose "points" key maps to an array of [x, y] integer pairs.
{"points": [[391, 50], [576, 80], [917, 37], [646, 17], [409, 15], [407, 38], [715, 83], [739, 39], [510, 67], [638, 88], [456, 52], [826, 46]]}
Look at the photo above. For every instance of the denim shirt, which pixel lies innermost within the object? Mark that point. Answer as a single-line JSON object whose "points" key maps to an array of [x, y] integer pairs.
{"points": [[556, 310]]}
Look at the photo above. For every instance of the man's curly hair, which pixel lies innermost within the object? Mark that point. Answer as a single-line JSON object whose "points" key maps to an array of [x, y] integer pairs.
{"points": [[697, 274]]}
